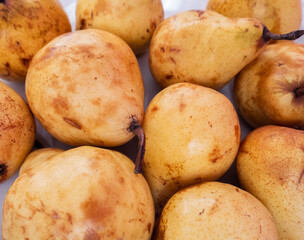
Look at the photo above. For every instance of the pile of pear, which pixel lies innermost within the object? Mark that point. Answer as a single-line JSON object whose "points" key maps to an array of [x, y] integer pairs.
{"points": [[86, 89]]}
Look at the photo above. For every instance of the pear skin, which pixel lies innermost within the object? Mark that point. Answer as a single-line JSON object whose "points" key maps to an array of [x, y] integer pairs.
{"points": [[17, 131], [270, 90], [133, 21], [86, 88], [38, 156], [279, 16], [214, 211], [82, 193], [203, 47], [206, 48], [25, 27], [270, 165], [192, 135]]}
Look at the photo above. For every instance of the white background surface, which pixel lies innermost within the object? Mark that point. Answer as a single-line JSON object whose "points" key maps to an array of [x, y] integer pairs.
{"points": [[151, 88]]}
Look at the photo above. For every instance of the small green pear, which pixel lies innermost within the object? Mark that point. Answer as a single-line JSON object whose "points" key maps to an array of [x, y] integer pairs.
{"points": [[206, 48], [270, 165]]}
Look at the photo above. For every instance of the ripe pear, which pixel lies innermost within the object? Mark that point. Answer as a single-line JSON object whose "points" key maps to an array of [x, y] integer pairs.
{"points": [[270, 90], [38, 156], [214, 210], [82, 193], [192, 135], [86, 88], [206, 48], [17, 131], [25, 27], [280, 16], [132, 20], [270, 166]]}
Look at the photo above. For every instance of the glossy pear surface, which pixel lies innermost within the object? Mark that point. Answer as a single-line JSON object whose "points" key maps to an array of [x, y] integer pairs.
{"points": [[280, 16], [270, 165], [270, 90], [17, 131], [38, 156], [25, 27], [83, 193], [213, 211], [192, 135], [203, 47], [132, 20], [86, 88]]}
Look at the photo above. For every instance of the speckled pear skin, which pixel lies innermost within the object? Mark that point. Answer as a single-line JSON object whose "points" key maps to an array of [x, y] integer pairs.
{"points": [[270, 165], [280, 16], [212, 211], [203, 47], [82, 193], [25, 27], [192, 135]]}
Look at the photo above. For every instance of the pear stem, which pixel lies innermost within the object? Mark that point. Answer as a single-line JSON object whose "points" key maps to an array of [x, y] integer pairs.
{"points": [[288, 36], [299, 92], [139, 132]]}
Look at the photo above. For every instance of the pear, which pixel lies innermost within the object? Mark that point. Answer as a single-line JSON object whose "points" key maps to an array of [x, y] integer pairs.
{"points": [[25, 27], [280, 16], [82, 193], [86, 88], [270, 90], [270, 165], [38, 156], [132, 20], [192, 135], [206, 48], [17, 131], [214, 210]]}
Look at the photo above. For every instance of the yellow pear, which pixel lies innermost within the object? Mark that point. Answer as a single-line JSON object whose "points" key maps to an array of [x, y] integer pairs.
{"points": [[25, 27], [214, 211], [206, 48], [132, 20], [192, 135], [86, 88], [38, 156], [270, 90], [280, 16], [270, 165], [17, 131], [82, 193]]}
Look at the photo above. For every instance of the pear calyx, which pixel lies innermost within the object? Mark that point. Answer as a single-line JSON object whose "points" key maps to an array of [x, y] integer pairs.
{"points": [[3, 168], [139, 132], [299, 92], [267, 35]]}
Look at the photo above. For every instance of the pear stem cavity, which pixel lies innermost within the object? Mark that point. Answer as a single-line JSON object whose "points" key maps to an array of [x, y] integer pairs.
{"points": [[267, 35], [139, 132], [299, 92]]}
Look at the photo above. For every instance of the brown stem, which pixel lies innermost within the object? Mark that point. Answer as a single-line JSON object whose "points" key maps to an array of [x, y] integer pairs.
{"points": [[267, 35], [299, 92], [137, 129]]}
